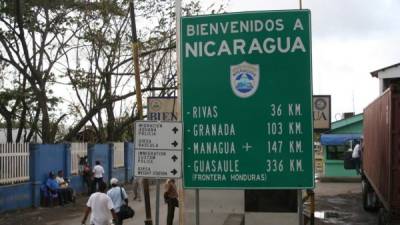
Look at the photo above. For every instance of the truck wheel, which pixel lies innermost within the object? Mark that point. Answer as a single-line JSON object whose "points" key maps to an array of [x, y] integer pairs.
{"points": [[368, 197], [383, 217]]}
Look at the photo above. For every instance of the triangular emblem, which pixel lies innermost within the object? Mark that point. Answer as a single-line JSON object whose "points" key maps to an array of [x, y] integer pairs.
{"points": [[244, 79]]}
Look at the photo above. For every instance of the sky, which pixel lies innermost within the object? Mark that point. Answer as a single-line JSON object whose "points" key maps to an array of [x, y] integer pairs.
{"points": [[350, 39]]}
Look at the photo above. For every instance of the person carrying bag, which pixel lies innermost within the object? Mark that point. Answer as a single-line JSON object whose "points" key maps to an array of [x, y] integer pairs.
{"points": [[125, 210], [120, 201], [171, 198]]}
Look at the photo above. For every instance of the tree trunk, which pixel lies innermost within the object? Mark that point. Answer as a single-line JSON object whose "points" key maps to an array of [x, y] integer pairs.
{"points": [[34, 127], [9, 130], [8, 118], [22, 121], [110, 109], [47, 137]]}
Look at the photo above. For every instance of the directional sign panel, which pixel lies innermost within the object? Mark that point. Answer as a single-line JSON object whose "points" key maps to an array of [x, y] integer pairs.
{"points": [[158, 149], [158, 163], [247, 100], [158, 135]]}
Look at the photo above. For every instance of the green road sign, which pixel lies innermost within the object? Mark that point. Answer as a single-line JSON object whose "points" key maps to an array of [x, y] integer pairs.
{"points": [[246, 100]]}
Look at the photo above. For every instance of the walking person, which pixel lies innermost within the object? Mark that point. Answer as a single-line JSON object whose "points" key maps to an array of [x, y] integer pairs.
{"points": [[98, 173], [118, 197], [137, 190], [171, 198], [99, 206]]}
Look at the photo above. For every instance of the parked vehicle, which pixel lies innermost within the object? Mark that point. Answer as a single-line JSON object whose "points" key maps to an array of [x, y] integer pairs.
{"points": [[381, 157]]}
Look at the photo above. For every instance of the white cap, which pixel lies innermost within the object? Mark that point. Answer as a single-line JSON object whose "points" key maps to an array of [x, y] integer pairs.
{"points": [[114, 181]]}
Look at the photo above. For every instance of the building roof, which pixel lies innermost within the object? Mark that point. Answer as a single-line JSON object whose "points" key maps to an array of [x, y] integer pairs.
{"points": [[375, 73], [346, 122], [338, 139]]}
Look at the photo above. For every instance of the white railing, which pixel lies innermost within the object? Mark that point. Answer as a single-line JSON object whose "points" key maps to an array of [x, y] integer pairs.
{"points": [[118, 154], [78, 150], [14, 163]]}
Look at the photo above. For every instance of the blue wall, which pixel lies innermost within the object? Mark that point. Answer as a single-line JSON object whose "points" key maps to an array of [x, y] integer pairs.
{"points": [[77, 184], [49, 157], [15, 196], [119, 173], [104, 154], [43, 159], [124, 174], [53, 157], [129, 161]]}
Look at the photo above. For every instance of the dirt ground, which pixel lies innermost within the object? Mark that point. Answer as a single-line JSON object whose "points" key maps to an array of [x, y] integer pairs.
{"points": [[72, 214], [341, 203], [343, 209], [338, 203], [44, 215]]}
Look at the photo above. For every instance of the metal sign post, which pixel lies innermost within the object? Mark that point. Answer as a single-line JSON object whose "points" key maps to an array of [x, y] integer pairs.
{"points": [[162, 109], [300, 206], [158, 201]]}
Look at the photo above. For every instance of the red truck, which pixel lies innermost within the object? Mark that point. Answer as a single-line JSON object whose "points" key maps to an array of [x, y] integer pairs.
{"points": [[381, 157]]}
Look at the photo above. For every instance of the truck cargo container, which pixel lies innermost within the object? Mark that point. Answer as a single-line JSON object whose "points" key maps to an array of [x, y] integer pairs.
{"points": [[381, 157]]}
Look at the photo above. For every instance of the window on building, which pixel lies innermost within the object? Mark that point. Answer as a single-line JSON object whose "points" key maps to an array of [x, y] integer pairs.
{"points": [[390, 81], [336, 152]]}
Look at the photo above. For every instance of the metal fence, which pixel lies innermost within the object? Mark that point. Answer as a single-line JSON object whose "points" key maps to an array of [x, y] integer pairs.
{"points": [[14, 163], [118, 154], [78, 151]]}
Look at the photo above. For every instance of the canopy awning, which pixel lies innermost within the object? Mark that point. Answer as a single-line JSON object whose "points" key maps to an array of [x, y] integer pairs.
{"points": [[338, 139]]}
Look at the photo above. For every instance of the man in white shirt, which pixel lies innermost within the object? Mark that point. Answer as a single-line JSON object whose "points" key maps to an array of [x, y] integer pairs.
{"points": [[356, 156], [118, 196], [98, 172], [100, 206]]}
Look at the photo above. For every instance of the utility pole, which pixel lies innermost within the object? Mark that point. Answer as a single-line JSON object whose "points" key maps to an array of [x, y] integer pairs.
{"points": [[135, 49], [178, 14]]}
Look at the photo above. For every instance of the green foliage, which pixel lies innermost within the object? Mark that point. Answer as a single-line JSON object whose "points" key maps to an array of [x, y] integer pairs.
{"points": [[85, 46], [113, 6]]}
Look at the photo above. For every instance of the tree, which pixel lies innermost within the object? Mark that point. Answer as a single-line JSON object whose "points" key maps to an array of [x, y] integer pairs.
{"points": [[85, 47], [107, 42], [33, 39]]}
